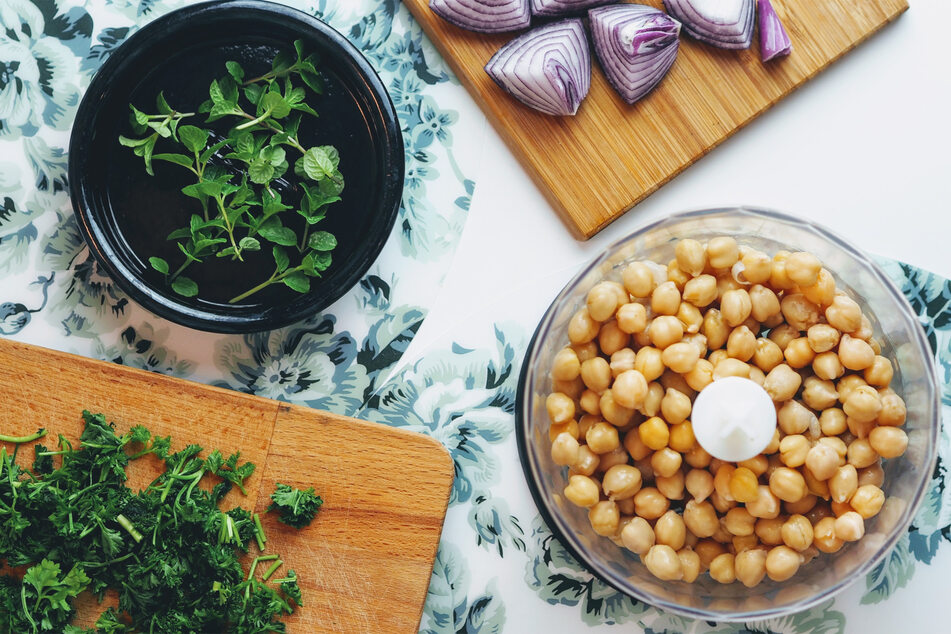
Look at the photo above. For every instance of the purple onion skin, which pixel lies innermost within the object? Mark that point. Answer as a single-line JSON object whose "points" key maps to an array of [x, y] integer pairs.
{"points": [[634, 68], [484, 16], [729, 36], [549, 8], [773, 39], [565, 68]]}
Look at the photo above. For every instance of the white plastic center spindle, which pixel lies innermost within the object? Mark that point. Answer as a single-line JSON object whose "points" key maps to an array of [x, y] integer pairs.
{"points": [[734, 419]]}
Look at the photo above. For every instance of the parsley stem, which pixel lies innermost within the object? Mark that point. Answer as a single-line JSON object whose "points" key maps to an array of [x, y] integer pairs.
{"points": [[270, 571], [254, 563], [16, 440], [128, 526], [259, 532]]}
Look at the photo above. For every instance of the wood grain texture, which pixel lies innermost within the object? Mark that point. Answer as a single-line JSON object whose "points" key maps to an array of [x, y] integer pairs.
{"points": [[595, 166], [365, 562]]}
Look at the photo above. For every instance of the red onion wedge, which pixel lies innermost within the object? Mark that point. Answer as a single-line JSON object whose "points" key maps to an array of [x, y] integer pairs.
{"points": [[721, 23], [636, 44], [484, 16], [547, 68], [564, 7], [773, 39]]}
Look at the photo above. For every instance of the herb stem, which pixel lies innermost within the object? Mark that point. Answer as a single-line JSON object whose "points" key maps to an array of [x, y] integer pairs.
{"points": [[129, 527], [254, 121], [270, 571], [16, 440], [259, 532]]}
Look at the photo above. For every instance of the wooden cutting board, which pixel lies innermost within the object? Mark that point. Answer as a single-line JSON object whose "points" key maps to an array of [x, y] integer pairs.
{"points": [[598, 164], [366, 560]]}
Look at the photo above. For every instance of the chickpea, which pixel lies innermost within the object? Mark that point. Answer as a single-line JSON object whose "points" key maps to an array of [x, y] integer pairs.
{"points": [[844, 314], [862, 454], [670, 530], [819, 511], [665, 330], [566, 366], [872, 475], [692, 319], [590, 402], [571, 427], [701, 518], [868, 500], [763, 303], [649, 362], [781, 335], [602, 438], [756, 268], [611, 338], [564, 449], [750, 566], [855, 354], [671, 486], [824, 537], [596, 374], [715, 329], [888, 442], [638, 279], [803, 506], [585, 351], [666, 462], [617, 456], [681, 437], [681, 357], [738, 521], [736, 306], [635, 446], [638, 536], [827, 366], [782, 562], [560, 407], [654, 433], [843, 483], [799, 312], [767, 354], [832, 421], [691, 564], [587, 462], [677, 275], [773, 448], [722, 568], [769, 530], [655, 395], [664, 563], [632, 318], [766, 504], [650, 503], [700, 291], [572, 389], [717, 356], [797, 533], [612, 411], [601, 302], [697, 457], [585, 423], [816, 486], [629, 389], [795, 418], [840, 508], [701, 375], [849, 527], [880, 372], [893, 411], [723, 475], [672, 380], [798, 354], [803, 268], [665, 299], [691, 256], [863, 404], [793, 450], [823, 291], [741, 344], [787, 484], [699, 484], [604, 517], [582, 491], [822, 461], [582, 328], [730, 367], [782, 383], [722, 252], [744, 486], [819, 394], [822, 338], [621, 481], [848, 384]]}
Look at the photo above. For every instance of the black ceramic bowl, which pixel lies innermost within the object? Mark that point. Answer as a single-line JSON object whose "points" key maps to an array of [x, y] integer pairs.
{"points": [[125, 215]]}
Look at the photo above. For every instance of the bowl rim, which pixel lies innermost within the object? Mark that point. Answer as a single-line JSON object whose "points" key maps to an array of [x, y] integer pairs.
{"points": [[390, 156], [559, 529]]}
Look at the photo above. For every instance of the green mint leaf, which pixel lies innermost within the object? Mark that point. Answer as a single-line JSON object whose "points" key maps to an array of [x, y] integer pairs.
{"points": [[126, 141], [178, 234], [280, 259], [248, 243], [316, 163], [159, 265], [275, 155], [253, 93], [322, 241], [214, 91], [299, 48], [188, 254], [140, 117], [194, 138], [314, 81], [322, 260], [229, 90], [276, 103], [178, 159], [303, 107], [282, 61], [209, 188], [211, 149], [295, 95], [260, 171], [185, 286], [275, 232], [244, 145], [297, 281], [235, 70], [162, 105]]}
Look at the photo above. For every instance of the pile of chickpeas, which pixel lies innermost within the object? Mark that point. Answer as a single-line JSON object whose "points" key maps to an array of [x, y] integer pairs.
{"points": [[622, 391]]}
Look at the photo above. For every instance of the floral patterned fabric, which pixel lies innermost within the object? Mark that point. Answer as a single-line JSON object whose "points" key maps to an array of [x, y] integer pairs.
{"points": [[498, 567]]}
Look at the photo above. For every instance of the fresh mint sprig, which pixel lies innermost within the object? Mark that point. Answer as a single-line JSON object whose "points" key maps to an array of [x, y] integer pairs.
{"points": [[242, 210]]}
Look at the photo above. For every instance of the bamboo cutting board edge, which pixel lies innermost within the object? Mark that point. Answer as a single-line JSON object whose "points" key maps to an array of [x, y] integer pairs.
{"points": [[356, 546], [499, 108]]}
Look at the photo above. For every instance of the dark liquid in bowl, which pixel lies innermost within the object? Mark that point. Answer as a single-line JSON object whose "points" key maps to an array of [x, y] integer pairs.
{"points": [[146, 209]]}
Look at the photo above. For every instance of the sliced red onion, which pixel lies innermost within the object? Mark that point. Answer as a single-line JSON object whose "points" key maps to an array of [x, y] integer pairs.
{"points": [[721, 23], [564, 7], [636, 44], [773, 39], [547, 68], [484, 16]]}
